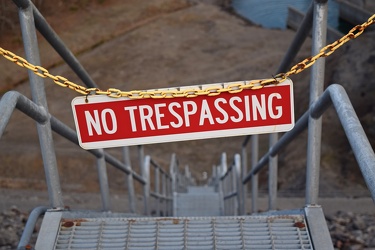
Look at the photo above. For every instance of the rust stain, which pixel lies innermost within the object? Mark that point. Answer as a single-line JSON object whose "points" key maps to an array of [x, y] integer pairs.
{"points": [[68, 224], [175, 221], [72, 222], [299, 224]]}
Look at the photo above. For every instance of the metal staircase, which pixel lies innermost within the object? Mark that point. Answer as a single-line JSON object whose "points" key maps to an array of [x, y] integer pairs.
{"points": [[186, 216], [197, 201]]}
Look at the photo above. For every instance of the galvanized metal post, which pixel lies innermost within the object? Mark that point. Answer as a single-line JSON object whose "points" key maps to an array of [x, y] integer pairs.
{"points": [[146, 187], [224, 167], [129, 180], [302, 33], [172, 184], [164, 200], [220, 190], [169, 196], [172, 172], [103, 181], [188, 173], [234, 189], [243, 172], [272, 175], [254, 178], [223, 170], [157, 189], [39, 97], [237, 168], [214, 178], [316, 89]]}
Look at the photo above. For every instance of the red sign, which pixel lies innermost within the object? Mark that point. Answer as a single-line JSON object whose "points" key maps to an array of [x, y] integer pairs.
{"points": [[108, 122]]}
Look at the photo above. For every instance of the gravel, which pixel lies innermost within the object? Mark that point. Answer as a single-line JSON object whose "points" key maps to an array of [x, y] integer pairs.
{"points": [[12, 222]]}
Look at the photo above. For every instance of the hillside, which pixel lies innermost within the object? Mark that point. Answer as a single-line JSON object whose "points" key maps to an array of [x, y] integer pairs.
{"points": [[141, 45]]}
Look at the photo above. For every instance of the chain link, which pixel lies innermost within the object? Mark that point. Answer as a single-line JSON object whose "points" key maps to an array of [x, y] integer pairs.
{"points": [[192, 92]]}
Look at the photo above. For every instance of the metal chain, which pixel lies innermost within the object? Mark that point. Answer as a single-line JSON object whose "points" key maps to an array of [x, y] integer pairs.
{"points": [[209, 91]]}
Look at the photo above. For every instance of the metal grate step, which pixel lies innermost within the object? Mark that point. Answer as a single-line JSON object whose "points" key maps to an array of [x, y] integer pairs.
{"points": [[201, 189], [241, 232], [195, 204]]}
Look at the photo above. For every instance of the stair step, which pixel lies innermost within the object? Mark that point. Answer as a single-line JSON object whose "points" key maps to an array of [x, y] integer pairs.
{"points": [[201, 189], [67, 230], [197, 204]]}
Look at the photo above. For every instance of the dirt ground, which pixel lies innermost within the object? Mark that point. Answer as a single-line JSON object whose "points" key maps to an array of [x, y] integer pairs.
{"points": [[156, 44]]}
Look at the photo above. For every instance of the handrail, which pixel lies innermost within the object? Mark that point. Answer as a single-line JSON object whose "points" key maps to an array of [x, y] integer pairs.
{"points": [[300, 125], [55, 41], [30, 226], [230, 186], [180, 180], [335, 94], [299, 38], [358, 140], [13, 99], [161, 196], [63, 130], [31, 18]]}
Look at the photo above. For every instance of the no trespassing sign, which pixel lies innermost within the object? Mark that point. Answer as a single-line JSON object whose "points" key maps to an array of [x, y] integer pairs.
{"points": [[108, 122]]}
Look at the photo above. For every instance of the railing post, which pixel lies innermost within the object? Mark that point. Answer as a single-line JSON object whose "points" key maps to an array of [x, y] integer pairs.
{"points": [[220, 190], [233, 188], [316, 89], [224, 167], [224, 186], [172, 172], [164, 194], [157, 189], [129, 180], [243, 169], [254, 178], [187, 175], [173, 183], [39, 97], [103, 181], [214, 178], [237, 168], [146, 188], [141, 155], [169, 196], [272, 175]]}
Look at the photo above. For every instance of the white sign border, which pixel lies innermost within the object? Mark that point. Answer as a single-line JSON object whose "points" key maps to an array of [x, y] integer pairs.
{"points": [[179, 137]]}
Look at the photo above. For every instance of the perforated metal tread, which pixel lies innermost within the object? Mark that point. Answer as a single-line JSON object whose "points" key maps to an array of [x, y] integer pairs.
{"points": [[246, 232]]}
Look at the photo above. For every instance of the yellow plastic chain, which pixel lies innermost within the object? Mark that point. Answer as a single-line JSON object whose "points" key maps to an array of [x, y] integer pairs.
{"points": [[210, 91]]}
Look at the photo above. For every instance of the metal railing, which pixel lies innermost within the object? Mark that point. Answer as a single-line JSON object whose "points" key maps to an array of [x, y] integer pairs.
{"points": [[180, 179], [30, 20], [336, 96], [162, 191], [228, 182], [319, 102], [363, 152]]}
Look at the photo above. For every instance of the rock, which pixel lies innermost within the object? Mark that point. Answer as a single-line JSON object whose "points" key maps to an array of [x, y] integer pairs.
{"points": [[12, 223], [352, 231]]}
